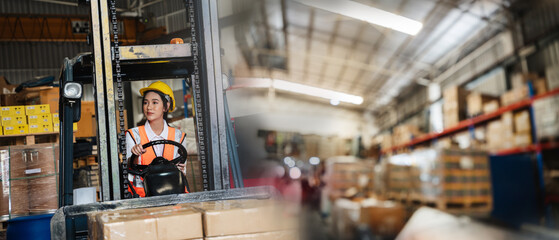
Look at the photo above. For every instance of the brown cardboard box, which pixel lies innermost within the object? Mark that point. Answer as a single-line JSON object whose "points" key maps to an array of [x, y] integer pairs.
{"points": [[520, 79], [50, 97], [454, 107], [540, 86], [126, 224], [522, 122], [385, 218], [278, 235], [515, 95], [232, 217], [476, 101], [171, 222], [491, 106], [522, 139], [87, 125]]}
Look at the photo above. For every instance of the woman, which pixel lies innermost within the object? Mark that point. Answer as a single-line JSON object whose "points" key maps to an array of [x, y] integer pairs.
{"points": [[157, 102]]}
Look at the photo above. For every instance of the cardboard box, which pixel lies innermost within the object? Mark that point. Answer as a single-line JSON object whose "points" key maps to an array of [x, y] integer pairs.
{"points": [[475, 102], [491, 106], [40, 128], [385, 218], [520, 79], [55, 118], [522, 122], [233, 217], [13, 111], [454, 106], [37, 109], [540, 86], [278, 235], [50, 97], [171, 222], [515, 95], [39, 119], [125, 224], [15, 130], [11, 120], [56, 127], [522, 139], [87, 125]]}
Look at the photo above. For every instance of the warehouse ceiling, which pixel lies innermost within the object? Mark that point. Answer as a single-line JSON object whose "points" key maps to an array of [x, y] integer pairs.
{"points": [[289, 40]]}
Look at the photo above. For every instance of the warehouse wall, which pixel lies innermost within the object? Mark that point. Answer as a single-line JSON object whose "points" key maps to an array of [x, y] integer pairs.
{"points": [[24, 60]]}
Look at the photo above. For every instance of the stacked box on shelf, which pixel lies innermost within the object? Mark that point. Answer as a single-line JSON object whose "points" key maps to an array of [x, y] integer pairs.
{"points": [[522, 129], [546, 116], [14, 120], [405, 133], [515, 95], [476, 102], [348, 176], [454, 107], [398, 185], [451, 177], [386, 141]]}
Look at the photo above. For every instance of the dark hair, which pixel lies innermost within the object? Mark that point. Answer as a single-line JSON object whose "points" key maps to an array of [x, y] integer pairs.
{"points": [[165, 108]]}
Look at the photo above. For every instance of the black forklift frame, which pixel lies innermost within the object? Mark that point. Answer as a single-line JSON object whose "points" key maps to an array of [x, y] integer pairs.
{"points": [[143, 62]]}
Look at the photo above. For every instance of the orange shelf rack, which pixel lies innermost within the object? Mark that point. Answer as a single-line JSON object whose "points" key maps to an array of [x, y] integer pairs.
{"points": [[464, 125]]}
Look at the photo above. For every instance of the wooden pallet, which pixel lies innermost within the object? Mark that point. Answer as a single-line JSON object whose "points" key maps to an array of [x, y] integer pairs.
{"points": [[477, 204], [30, 139]]}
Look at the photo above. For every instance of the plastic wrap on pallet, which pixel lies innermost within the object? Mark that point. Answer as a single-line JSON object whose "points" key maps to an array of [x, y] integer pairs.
{"points": [[80, 212], [278, 235], [4, 178], [43, 195], [447, 176], [546, 116]]}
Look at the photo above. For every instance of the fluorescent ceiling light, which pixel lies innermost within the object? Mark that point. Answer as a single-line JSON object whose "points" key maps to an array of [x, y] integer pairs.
{"points": [[297, 88], [367, 13]]}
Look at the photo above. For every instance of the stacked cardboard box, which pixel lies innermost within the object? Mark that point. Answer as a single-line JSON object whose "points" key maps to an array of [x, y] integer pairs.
{"points": [[522, 129], [217, 220], [450, 176], [386, 141], [454, 107], [405, 133], [515, 95], [398, 185], [347, 177], [491, 106], [476, 101]]}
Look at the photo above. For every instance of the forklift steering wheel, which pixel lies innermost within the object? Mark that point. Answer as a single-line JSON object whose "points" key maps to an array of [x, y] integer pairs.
{"points": [[140, 170]]}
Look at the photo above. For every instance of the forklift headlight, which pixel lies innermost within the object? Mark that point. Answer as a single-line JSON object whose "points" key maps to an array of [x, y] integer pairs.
{"points": [[73, 90]]}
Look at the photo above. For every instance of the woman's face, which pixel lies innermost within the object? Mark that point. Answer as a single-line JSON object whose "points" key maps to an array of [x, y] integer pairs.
{"points": [[153, 106]]}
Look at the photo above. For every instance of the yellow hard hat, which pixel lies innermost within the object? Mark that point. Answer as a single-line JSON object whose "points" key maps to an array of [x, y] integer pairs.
{"points": [[163, 88]]}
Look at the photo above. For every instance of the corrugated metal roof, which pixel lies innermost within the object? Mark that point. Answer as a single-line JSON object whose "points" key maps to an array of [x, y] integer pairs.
{"points": [[34, 7]]}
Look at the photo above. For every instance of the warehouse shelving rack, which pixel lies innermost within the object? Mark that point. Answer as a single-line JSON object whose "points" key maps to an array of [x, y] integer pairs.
{"points": [[470, 123]]}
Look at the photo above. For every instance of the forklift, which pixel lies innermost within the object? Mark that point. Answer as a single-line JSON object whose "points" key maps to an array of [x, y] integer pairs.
{"points": [[109, 67]]}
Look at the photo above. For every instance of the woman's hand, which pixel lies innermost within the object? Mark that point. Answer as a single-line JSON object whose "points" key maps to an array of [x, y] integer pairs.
{"points": [[138, 149], [181, 166]]}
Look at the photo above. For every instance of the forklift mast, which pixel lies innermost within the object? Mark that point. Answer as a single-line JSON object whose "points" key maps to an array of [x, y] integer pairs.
{"points": [[199, 61]]}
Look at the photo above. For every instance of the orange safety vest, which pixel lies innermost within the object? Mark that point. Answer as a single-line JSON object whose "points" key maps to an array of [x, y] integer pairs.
{"points": [[149, 155]]}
